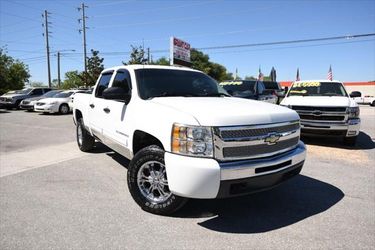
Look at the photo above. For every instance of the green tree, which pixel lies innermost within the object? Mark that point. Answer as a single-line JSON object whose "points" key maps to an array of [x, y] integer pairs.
{"points": [[13, 73], [201, 61], [250, 78], [161, 61], [37, 84], [136, 56], [94, 68], [73, 79]]}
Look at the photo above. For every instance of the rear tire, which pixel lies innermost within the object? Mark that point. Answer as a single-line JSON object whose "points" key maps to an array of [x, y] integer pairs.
{"points": [[85, 140], [148, 184], [64, 109], [373, 103], [350, 141]]}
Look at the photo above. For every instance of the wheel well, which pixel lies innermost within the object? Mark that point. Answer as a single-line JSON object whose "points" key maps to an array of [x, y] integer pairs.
{"points": [[78, 115], [142, 139]]}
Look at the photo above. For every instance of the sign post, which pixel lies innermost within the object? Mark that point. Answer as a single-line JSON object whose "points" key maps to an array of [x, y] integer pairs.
{"points": [[179, 52]]}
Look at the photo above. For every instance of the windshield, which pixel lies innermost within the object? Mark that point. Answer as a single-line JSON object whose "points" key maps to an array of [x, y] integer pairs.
{"points": [[167, 82], [51, 93], [317, 89], [63, 94], [239, 88], [23, 91], [271, 85]]}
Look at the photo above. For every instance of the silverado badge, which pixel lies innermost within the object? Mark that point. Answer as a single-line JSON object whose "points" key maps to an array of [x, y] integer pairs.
{"points": [[272, 138]]}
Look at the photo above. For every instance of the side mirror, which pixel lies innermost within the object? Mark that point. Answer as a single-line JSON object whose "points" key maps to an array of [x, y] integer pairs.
{"points": [[355, 94], [118, 94]]}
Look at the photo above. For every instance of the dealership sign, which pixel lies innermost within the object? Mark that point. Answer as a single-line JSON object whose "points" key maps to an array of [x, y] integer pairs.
{"points": [[179, 52]]}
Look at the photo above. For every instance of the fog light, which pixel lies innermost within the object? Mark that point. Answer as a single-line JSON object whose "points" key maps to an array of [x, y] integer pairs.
{"points": [[352, 132]]}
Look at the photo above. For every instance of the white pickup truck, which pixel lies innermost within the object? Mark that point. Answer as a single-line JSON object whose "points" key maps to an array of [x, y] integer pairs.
{"points": [[186, 137], [358, 98], [325, 109]]}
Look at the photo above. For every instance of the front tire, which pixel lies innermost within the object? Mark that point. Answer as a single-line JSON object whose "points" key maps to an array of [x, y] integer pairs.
{"points": [[148, 184], [373, 103], [85, 141], [350, 141], [64, 109]]}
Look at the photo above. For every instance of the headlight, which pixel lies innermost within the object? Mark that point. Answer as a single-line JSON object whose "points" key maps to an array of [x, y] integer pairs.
{"points": [[52, 103], [192, 140], [353, 112]]}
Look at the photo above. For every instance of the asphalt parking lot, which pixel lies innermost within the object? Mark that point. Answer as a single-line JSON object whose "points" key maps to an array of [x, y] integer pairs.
{"points": [[54, 196]]}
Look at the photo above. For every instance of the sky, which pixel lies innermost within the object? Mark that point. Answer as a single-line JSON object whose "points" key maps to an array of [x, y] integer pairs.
{"points": [[115, 25]]}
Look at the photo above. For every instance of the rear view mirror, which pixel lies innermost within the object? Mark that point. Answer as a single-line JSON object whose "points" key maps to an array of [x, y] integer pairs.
{"points": [[118, 94]]}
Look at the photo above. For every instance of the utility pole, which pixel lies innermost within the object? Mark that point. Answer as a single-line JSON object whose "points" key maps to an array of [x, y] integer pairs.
{"points": [[46, 34], [148, 56], [58, 69], [58, 65], [83, 30]]}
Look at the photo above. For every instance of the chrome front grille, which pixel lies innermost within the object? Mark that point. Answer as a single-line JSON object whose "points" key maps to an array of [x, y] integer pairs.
{"points": [[256, 141], [321, 114]]}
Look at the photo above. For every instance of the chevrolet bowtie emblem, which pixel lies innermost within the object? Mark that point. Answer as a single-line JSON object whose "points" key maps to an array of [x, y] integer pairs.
{"points": [[271, 139]]}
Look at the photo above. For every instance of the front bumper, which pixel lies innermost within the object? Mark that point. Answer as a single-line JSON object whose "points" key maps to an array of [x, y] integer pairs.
{"points": [[347, 129], [47, 108], [27, 106], [205, 178], [7, 104]]}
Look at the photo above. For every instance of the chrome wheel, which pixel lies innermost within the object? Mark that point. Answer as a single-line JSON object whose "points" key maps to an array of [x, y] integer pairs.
{"points": [[64, 109], [152, 182]]}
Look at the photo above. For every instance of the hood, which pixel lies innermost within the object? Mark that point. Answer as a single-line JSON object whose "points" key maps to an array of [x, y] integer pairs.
{"points": [[34, 99], [50, 100], [228, 111], [14, 95], [318, 101]]}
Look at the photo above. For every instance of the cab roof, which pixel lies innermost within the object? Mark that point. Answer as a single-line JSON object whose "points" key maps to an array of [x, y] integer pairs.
{"points": [[140, 66]]}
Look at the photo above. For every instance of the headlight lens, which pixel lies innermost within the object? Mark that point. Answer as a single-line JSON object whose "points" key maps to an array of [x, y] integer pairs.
{"points": [[353, 112], [192, 140], [52, 103]]}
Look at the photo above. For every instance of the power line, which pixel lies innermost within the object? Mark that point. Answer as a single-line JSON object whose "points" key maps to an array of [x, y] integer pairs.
{"points": [[288, 42], [184, 18]]}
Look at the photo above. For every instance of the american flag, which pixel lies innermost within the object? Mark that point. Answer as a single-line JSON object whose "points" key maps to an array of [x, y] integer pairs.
{"points": [[297, 76], [330, 75], [260, 76]]}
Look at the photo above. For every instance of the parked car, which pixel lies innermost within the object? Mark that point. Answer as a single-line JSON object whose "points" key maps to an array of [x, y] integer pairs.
{"points": [[358, 98], [274, 88], [13, 99], [28, 104], [59, 103], [186, 137], [249, 89], [325, 109]]}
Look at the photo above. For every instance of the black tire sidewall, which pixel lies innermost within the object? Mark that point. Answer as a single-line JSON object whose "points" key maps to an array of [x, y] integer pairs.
{"points": [[172, 204], [87, 140], [61, 106]]}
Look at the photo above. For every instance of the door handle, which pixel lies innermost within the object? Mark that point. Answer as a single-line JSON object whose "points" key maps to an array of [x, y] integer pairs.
{"points": [[92, 105], [107, 110]]}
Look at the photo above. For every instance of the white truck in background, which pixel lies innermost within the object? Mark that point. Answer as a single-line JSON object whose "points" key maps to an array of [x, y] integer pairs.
{"points": [[325, 109], [360, 99], [186, 137]]}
